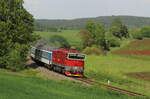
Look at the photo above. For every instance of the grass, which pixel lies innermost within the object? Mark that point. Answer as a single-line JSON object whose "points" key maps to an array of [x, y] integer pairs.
{"points": [[114, 68], [26, 87], [72, 36], [26, 84], [136, 45]]}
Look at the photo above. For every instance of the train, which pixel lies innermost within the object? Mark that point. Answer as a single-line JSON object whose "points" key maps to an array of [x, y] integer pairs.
{"points": [[67, 61]]}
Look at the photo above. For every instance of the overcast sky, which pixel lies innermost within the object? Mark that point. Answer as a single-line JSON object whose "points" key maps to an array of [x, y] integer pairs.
{"points": [[70, 9]]}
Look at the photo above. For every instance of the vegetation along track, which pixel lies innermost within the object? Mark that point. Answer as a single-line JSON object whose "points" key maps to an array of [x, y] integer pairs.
{"points": [[92, 82]]}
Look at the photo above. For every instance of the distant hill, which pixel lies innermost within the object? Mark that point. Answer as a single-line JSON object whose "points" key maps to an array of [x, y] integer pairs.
{"points": [[130, 21]]}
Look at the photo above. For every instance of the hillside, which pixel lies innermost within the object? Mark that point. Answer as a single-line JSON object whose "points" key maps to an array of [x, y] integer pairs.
{"points": [[131, 21], [136, 47]]}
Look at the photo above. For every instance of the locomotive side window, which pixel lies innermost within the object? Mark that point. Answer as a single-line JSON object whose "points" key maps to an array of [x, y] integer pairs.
{"points": [[76, 56]]}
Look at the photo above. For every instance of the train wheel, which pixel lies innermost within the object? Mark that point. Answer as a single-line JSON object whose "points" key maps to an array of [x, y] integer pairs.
{"points": [[50, 67]]}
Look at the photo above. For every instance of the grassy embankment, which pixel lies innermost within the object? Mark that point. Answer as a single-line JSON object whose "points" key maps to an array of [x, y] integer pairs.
{"points": [[113, 67], [23, 86]]}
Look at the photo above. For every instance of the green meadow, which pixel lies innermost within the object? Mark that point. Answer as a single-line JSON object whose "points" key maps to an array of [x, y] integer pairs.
{"points": [[29, 84], [72, 36], [115, 69], [15, 86], [112, 67]]}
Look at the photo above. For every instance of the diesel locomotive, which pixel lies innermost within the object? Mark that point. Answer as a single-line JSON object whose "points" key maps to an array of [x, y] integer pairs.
{"points": [[64, 60]]}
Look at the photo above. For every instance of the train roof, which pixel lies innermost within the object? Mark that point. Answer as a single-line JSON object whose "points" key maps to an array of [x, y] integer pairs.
{"points": [[68, 50], [49, 48], [45, 47]]}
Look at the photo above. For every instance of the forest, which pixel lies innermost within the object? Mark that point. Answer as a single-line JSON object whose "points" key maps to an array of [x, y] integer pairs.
{"points": [[130, 21]]}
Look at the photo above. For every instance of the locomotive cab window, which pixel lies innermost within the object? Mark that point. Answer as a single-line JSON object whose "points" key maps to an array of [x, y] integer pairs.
{"points": [[76, 56]]}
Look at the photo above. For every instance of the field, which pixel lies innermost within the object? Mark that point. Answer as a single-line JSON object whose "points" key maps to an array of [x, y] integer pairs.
{"points": [[130, 72], [117, 68], [16, 86], [136, 47], [126, 67], [72, 36]]}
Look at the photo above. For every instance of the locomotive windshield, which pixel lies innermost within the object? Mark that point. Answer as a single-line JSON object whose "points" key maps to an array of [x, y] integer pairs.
{"points": [[76, 56]]}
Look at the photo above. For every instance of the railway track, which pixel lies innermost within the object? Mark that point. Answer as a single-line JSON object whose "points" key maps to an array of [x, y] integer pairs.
{"points": [[92, 82]]}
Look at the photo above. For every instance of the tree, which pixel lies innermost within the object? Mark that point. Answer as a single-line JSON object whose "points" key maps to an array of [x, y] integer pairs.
{"points": [[115, 31], [118, 29], [16, 29], [94, 34], [124, 31], [136, 34], [97, 32], [86, 38], [145, 31]]}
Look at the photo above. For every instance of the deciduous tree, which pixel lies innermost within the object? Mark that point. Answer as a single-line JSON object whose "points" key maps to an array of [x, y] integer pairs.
{"points": [[16, 29], [118, 29]]}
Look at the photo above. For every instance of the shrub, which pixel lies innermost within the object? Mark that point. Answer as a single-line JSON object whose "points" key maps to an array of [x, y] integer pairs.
{"points": [[114, 42], [136, 34], [145, 31], [95, 50], [14, 60]]}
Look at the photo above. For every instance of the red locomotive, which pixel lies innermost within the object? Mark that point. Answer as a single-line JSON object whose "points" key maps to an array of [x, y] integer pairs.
{"points": [[64, 60]]}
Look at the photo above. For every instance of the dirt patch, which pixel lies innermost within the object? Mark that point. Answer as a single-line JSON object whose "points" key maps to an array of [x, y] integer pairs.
{"points": [[140, 75]]}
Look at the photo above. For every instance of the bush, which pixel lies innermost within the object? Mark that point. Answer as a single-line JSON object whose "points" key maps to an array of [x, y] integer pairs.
{"points": [[136, 34], [114, 42], [95, 50], [145, 31], [15, 60]]}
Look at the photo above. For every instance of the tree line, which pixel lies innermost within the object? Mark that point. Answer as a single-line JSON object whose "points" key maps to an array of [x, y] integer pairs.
{"points": [[130, 21]]}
